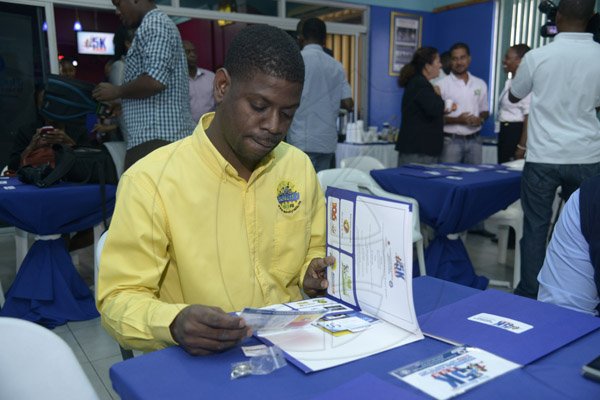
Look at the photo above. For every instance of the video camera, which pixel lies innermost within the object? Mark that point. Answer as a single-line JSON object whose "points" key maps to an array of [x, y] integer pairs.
{"points": [[549, 29]]}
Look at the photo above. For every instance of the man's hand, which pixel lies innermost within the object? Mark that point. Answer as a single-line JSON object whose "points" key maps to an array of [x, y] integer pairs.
{"points": [[315, 280], [106, 92], [202, 330], [463, 118], [473, 120], [57, 136], [51, 137], [519, 154]]}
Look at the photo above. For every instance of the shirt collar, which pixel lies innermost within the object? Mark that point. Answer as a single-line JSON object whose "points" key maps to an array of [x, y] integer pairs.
{"points": [[198, 73], [456, 78], [217, 163], [574, 36], [313, 46]]}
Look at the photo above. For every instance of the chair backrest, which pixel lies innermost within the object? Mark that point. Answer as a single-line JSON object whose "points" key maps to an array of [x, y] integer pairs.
{"points": [[97, 254], [117, 152], [363, 163], [359, 181], [35, 363]]}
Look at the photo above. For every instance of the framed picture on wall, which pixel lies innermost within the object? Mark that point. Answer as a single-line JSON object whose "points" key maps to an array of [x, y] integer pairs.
{"points": [[405, 38]]}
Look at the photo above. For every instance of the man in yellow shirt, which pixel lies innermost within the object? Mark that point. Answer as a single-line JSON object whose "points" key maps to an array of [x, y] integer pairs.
{"points": [[227, 218]]}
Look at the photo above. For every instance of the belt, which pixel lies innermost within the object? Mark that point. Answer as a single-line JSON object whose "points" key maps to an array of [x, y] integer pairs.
{"points": [[464, 137], [507, 123]]}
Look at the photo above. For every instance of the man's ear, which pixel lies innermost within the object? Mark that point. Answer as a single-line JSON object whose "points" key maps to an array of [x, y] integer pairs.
{"points": [[221, 85]]}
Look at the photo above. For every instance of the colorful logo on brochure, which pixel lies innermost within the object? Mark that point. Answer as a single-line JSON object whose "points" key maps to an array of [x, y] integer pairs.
{"points": [[458, 376], [288, 197]]}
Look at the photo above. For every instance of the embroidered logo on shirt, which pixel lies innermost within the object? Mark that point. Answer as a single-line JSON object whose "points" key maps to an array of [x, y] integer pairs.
{"points": [[477, 92], [288, 197]]}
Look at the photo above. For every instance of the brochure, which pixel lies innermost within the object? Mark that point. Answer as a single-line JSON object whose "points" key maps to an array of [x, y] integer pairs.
{"points": [[369, 304], [454, 372]]}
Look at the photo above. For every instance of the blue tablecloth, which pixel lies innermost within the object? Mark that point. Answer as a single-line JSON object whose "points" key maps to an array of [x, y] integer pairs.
{"points": [[173, 374], [47, 289], [453, 201]]}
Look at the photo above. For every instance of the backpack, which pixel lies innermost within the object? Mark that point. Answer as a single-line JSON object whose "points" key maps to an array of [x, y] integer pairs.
{"points": [[77, 165], [67, 99]]}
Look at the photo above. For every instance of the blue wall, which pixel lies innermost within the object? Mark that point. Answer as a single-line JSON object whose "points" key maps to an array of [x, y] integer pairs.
{"points": [[471, 24], [385, 96]]}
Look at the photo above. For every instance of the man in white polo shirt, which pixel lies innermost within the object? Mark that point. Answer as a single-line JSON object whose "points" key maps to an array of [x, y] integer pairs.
{"points": [[462, 143], [563, 135]]}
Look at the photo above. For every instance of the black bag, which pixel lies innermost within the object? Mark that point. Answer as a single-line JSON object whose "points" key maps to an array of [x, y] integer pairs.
{"points": [[77, 165], [67, 99]]}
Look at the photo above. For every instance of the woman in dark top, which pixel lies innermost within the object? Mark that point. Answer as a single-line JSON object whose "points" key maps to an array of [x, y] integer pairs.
{"points": [[421, 131]]}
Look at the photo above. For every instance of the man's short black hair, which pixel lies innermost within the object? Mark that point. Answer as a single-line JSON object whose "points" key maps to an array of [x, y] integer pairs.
{"points": [[460, 45], [266, 49], [579, 10], [520, 49], [314, 29]]}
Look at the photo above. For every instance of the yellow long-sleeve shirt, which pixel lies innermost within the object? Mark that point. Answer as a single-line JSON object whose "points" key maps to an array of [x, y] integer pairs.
{"points": [[188, 230]]}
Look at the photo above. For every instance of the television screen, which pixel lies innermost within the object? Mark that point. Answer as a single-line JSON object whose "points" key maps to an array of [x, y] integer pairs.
{"points": [[97, 43]]}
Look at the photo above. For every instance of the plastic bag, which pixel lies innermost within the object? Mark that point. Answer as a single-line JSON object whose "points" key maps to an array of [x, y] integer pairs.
{"points": [[259, 365]]}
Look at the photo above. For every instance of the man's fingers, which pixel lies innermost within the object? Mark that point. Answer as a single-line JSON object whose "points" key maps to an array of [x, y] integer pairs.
{"points": [[320, 264], [203, 346], [216, 318]]}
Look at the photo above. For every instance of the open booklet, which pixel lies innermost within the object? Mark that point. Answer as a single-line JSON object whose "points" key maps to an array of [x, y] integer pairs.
{"points": [[369, 306]]}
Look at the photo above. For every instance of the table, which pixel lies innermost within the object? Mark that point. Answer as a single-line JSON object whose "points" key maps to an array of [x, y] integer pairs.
{"points": [[451, 203], [47, 289], [172, 373], [384, 152]]}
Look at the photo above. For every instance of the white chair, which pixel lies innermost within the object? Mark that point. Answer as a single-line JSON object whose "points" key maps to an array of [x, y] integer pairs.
{"points": [[363, 163], [359, 181], [2, 299], [97, 250], [117, 151], [35, 363], [125, 354], [511, 217]]}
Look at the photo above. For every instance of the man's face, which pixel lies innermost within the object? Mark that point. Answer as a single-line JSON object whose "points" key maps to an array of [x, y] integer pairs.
{"points": [[258, 111], [459, 61], [128, 12], [66, 68], [190, 53], [511, 61]]}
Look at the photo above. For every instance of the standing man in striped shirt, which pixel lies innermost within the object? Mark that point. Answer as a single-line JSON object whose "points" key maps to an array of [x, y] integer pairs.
{"points": [[155, 94]]}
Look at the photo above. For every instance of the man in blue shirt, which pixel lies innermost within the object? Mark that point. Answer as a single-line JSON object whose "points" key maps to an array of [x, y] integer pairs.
{"points": [[155, 94], [325, 90], [570, 276]]}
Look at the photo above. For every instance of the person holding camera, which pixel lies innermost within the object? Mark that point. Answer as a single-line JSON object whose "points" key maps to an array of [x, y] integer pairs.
{"points": [[563, 135]]}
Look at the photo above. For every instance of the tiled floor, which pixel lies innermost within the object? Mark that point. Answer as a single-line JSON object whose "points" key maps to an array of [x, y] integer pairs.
{"points": [[97, 351]]}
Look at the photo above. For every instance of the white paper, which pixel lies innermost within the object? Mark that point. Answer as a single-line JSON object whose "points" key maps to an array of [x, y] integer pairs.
{"points": [[346, 225], [372, 273], [383, 258], [454, 372], [510, 325], [333, 221]]}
